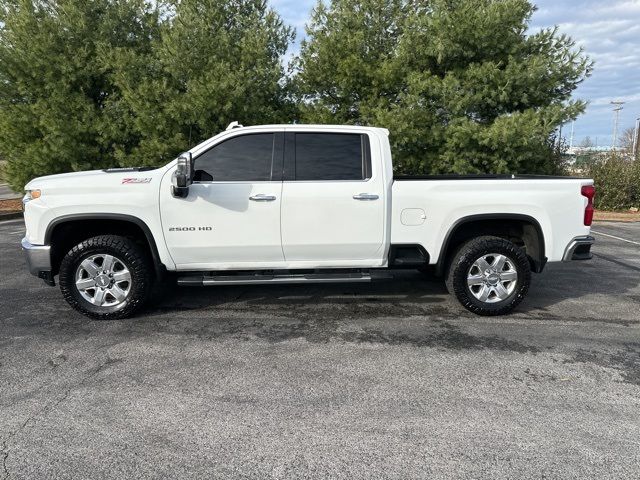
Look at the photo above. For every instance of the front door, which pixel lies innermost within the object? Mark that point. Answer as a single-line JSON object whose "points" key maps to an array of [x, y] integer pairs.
{"points": [[231, 216]]}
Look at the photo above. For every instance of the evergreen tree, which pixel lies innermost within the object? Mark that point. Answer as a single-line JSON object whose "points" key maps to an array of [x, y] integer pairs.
{"points": [[216, 61], [96, 83], [460, 84], [56, 99]]}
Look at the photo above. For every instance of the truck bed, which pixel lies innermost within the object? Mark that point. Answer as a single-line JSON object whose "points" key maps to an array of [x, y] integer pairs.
{"points": [[426, 207], [482, 176]]}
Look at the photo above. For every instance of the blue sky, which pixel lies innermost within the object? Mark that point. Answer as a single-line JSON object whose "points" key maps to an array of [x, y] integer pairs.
{"points": [[609, 31]]}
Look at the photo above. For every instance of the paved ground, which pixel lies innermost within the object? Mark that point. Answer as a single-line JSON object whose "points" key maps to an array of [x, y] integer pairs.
{"points": [[6, 193], [391, 380]]}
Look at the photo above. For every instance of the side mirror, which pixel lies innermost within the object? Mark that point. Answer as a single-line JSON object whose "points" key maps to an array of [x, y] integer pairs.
{"points": [[183, 176]]}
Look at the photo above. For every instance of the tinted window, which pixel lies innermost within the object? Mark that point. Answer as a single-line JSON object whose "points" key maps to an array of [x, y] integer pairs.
{"points": [[329, 156], [245, 158]]}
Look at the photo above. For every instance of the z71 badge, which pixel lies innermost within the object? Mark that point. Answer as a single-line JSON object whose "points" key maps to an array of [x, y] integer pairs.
{"points": [[136, 180]]}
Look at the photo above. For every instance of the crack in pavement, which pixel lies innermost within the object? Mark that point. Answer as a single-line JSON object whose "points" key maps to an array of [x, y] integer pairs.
{"points": [[46, 409], [5, 456]]}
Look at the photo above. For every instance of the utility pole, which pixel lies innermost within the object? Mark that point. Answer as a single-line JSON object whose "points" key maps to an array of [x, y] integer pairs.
{"points": [[616, 112], [636, 132], [571, 137], [560, 136]]}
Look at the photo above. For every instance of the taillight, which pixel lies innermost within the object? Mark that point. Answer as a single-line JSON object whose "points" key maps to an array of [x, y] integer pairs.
{"points": [[588, 191]]}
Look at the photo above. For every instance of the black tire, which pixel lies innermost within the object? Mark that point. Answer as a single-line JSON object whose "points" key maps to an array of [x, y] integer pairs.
{"points": [[461, 265], [129, 254]]}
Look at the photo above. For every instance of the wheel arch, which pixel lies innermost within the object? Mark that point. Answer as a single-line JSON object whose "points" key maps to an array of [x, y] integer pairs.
{"points": [[66, 231], [504, 225]]}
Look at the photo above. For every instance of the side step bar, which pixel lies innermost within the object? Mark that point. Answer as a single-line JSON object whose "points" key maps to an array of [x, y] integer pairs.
{"points": [[265, 279]]}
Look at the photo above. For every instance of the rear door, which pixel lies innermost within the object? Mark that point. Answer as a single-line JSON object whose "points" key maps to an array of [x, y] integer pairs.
{"points": [[231, 217], [332, 200]]}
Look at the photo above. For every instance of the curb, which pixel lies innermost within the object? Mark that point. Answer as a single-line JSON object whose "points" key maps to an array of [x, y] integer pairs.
{"points": [[10, 216]]}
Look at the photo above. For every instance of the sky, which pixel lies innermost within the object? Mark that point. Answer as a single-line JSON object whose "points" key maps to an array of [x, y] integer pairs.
{"points": [[608, 30]]}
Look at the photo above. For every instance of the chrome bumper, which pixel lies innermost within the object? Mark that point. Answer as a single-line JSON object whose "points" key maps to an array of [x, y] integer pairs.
{"points": [[579, 249], [38, 260]]}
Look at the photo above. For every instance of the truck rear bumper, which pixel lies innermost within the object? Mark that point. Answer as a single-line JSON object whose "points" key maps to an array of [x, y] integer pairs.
{"points": [[38, 260], [579, 249]]}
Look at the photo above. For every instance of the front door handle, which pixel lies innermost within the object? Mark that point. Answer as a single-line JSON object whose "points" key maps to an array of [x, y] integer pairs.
{"points": [[365, 196], [261, 197]]}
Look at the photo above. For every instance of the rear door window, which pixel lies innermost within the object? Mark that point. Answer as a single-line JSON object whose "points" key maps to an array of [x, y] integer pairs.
{"points": [[331, 156]]}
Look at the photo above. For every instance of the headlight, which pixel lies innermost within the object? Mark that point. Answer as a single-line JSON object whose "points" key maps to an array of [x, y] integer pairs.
{"points": [[31, 195]]}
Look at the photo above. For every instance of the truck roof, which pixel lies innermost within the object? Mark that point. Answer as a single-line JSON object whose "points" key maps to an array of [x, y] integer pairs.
{"points": [[306, 127]]}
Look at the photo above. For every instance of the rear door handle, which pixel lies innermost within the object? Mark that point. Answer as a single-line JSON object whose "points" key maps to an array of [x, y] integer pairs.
{"points": [[365, 196], [261, 197]]}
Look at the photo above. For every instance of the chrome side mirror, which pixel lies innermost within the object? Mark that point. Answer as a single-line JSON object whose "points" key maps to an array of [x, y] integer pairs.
{"points": [[183, 176]]}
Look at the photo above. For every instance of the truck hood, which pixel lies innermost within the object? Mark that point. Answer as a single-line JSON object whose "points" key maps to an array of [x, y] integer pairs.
{"points": [[111, 177]]}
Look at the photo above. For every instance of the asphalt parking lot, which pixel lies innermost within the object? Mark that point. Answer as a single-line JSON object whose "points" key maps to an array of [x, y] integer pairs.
{"points": [[384, 380]]}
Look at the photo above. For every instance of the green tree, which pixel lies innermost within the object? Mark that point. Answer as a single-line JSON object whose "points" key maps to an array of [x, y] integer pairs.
{"points": [[461, 85], [617, 181], [95, 83], [216, 61], [56, 96]]}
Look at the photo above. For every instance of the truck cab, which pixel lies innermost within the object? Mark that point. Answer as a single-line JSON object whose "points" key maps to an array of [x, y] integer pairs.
{"points": [[282, 198]]}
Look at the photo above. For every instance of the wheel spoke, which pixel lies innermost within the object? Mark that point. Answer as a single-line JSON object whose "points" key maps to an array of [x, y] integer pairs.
{"points": [[122, 276], [484, 293], [501, 291], [482, 264], [498, 262], [85, 283], [91, 268], [473, 280], [107, 264], [509, 276], [117, 293], [98, 298]]}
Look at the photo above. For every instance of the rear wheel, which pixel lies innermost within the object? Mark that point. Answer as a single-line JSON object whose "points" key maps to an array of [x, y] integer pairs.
{"points": [[489, 275], [106, 277]]}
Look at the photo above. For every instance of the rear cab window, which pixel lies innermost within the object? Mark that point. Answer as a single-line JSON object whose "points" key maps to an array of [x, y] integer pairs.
{"points": [[326, 156]]}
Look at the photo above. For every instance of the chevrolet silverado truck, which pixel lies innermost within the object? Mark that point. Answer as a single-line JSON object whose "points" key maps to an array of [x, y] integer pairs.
{"points": [[291, 204]]}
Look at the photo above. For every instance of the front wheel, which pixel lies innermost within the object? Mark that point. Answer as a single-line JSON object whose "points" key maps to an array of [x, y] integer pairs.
{"points": [[489, 275], [106, 277]]}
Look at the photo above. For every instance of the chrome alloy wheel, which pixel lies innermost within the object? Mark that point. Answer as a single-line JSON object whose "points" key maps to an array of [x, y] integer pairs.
{"points": [[492, 278], [103, 280]]}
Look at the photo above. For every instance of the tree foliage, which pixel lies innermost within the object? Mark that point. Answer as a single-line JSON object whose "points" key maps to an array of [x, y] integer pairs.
{"points": [[617, 181], [214, 62], [55, 113], [94, 83], [460, 84]]}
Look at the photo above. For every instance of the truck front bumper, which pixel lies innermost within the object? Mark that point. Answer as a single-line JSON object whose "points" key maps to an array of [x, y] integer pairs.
{"points": [[38, 260], [579, 249]]}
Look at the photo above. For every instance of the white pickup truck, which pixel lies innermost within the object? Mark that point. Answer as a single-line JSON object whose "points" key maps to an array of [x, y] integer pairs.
{"points": [[297, 203]]}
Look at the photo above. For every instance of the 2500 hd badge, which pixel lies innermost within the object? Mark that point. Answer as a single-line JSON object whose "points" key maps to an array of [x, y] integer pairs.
{"points": [[190, 229]]}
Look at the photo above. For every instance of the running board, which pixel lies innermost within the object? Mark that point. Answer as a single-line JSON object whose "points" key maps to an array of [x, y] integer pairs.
{"points": [[265, 279]]}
